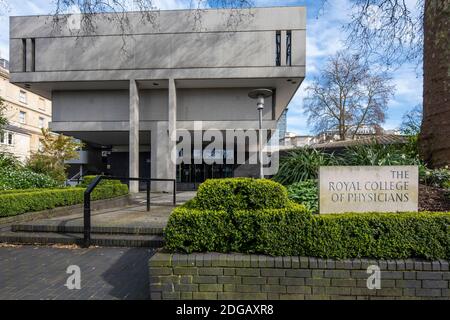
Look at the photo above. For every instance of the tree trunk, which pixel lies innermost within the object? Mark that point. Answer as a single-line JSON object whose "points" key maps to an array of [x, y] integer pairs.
{"points": [[435, 133]]}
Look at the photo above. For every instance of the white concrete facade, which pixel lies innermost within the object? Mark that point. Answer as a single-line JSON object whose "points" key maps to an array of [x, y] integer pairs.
{"points": [[135, 90]]}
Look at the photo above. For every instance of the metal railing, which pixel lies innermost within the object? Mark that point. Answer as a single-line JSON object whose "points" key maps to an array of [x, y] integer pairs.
{"points": [[96, 181]]}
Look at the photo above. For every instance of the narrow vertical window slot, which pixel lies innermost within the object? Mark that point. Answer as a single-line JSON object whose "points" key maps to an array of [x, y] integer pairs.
{"points": [[278, 48], [33, 55], [289, 48], [24, 55]]}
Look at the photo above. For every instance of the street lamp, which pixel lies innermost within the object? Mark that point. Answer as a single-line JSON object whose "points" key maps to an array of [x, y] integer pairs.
{"points": [[260, 95]]}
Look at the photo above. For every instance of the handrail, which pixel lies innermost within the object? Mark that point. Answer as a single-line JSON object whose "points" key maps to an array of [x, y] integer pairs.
{"points": [[96, 181]]}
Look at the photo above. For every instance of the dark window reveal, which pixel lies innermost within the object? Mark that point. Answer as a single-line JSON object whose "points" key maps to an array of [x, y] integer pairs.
{"points": [[24, 55], [278, 48], [288, 48]]}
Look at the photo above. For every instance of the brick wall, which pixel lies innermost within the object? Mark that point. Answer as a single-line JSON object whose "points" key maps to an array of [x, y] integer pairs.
{"points": [[240, 277]]}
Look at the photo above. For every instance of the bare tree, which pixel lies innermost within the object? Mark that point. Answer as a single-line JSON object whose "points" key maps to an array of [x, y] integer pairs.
{"points": [[117, 12], [347, 96], [393, 33], [412, 120]]}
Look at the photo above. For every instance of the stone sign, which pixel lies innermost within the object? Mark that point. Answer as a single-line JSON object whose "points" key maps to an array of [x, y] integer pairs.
{"points": [[368, 189]]}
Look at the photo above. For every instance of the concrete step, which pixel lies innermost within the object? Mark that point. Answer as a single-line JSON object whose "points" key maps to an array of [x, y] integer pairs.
{"points": [[58, 228], [102, 240]]}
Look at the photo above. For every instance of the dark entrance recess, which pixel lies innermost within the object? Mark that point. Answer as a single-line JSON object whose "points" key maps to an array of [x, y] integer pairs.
{"points": [[190, 176], [118, 165]]}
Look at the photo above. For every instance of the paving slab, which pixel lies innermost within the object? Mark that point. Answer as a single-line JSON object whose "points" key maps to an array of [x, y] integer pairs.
{"points": [[39, 273]]}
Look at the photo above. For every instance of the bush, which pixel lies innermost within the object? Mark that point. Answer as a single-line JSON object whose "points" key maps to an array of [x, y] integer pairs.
{"points": [[8, 161], [306, 193], [240, 193], [20, 178], [292, 231], [439, 178], [378, 155], [12, 204], [302, 164], [88, 179]]}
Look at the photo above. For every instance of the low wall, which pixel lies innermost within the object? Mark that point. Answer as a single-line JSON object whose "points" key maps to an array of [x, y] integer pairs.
{"points": [[257, 277]]}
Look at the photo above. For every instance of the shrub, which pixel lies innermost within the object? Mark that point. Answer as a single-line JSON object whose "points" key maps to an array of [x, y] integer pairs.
{"points": [[20, 178], [240, 193], [8, 161], [293, 231], [302, 164], [35, 200], [306, 193], [88, 179], [378, 155], [439, 178]]}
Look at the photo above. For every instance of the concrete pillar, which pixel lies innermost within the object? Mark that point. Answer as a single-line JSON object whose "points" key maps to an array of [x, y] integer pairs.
{"points": [[134, 136], [164, 149]]}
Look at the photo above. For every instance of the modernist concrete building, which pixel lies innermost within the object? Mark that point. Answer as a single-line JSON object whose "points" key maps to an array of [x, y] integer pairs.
{"points": [[127, 94]]}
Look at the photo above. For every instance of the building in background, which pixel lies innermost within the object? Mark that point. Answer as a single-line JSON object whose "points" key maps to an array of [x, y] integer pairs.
{"points": [[27, 114]]}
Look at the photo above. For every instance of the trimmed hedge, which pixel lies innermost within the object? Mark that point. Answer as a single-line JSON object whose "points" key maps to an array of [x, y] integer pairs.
{"points": [[255, 216], [293, 231], [88, 179], [240, 193], [12, 204]]}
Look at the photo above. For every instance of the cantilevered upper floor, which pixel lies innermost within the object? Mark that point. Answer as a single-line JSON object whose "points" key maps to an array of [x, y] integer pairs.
{"points": [[218, 49]]}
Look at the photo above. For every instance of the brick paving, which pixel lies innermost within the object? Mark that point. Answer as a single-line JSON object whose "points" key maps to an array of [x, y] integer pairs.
{"points": [[32, 272]]}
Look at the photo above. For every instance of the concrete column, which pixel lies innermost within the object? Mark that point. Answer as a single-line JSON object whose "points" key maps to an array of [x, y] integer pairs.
{"points": [[164, 152], [172, 128], [134, 135]]}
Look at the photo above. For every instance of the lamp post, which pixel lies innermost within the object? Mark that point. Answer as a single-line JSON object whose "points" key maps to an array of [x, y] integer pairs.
{"points": [[260, 95]]}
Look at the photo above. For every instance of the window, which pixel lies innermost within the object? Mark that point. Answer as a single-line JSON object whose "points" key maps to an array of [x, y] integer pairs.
{"points": [[33, 55], [41, 123], [23, 96], [24, 55], [288, 48], [7, 138], [278, 48], [41, 104], [22, 117]]}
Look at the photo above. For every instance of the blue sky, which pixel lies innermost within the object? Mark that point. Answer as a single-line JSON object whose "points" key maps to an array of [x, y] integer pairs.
{"points": [[324, 38]]}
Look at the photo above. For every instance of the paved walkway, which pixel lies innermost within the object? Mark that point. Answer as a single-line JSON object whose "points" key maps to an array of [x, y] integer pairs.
{"points": [[132, 216], [30, 272]]}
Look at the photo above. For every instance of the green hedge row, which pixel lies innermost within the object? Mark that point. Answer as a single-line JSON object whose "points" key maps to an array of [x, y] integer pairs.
{"points": [[293, 231], [240, 193], [88, 179], [12, 204]]}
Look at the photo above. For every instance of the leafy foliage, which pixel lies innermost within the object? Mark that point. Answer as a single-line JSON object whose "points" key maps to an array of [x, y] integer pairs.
{"points": [[240, 193], [9, 161], [50, 159], [14, 203], [439, 178], [306, 193], [302, 164], [293, 231], [378, 155], [3, 119], [20, 178], [88, 179]]}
